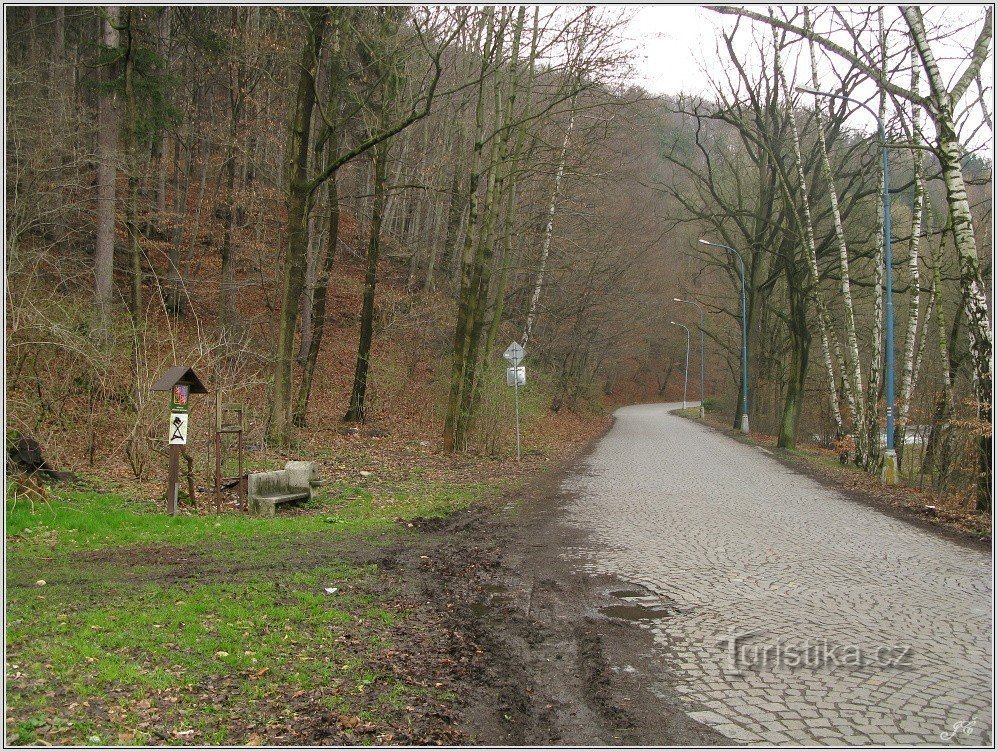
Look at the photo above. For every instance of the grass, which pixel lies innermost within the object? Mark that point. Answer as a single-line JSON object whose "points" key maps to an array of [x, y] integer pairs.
{"points": [[688, 412], [200, 629], [86, 520]]}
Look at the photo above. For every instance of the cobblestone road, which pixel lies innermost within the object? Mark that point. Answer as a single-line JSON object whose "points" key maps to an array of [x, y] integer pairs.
{"points": [[852, 627]]}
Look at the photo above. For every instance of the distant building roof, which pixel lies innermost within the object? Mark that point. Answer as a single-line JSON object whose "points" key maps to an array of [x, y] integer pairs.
{"points": [[179, 375]]}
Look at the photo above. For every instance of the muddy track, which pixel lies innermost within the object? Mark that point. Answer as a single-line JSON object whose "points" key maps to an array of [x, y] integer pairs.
{"points": [[544, 664]]}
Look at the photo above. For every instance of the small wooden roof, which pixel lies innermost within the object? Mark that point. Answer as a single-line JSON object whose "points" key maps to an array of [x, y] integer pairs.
{"points": [[179, 375]]}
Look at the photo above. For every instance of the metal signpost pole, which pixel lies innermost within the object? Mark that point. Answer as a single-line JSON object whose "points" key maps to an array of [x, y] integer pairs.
{"points": [[686, 370], [741, 269], [700, 309], [514, 355], [516, 402]]}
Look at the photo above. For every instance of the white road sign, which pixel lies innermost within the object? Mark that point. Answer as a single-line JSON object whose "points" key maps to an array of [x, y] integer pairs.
{"points": [[521, 376], [178, 428], [514, 353]]}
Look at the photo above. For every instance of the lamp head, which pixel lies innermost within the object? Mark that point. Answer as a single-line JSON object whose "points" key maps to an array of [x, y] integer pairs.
{"points": [[705, 242]]}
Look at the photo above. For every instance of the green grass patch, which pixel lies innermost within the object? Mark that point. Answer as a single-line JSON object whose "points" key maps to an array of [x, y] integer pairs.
{"points": [[144, 616], [87, 520]]}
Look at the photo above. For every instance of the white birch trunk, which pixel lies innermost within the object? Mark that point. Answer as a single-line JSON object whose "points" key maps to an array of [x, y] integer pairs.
{"points": [[854, 393], [908, 366], [812, 257], [548, 231]]}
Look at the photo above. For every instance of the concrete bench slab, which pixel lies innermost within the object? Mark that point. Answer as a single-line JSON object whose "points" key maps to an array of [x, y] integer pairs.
{"points": [[294, 483]]}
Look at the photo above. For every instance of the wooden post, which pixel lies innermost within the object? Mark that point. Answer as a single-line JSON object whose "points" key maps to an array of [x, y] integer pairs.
{"points": [[218, 471], [189, 459], [243, 485], [181, 382], [172, 484]]}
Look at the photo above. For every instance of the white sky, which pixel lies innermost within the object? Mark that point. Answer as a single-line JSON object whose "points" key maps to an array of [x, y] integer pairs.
{"points": [[675, 50], [669, 44]]}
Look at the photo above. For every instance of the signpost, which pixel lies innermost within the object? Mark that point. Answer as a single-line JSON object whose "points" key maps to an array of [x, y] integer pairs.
{"points": [[181, 382], [516, 376]]}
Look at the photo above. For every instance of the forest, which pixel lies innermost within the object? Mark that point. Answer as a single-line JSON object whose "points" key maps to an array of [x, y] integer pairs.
{"points": [[341, 216]]}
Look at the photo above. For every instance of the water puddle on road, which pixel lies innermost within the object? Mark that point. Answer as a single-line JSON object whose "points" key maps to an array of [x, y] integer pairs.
{"points": [[630, 593], [636, 612], [495, 596]]}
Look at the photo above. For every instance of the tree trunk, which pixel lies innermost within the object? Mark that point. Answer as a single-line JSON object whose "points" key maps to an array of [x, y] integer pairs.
{"points": [[299, 202], [132, 148], [873, 456], [971, 280], [319, 298], [181, 187], [159, 140], [356, 410], [854, 393], [548, 231], [908, 365], [227, 315], [459, 357], [812, 257], [107, 147], [797, 375]]}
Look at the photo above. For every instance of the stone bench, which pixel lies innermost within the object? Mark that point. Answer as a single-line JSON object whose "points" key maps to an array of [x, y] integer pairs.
{"points": [[294, 483]]}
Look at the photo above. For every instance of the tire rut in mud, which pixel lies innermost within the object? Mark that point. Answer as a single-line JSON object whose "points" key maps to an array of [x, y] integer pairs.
{"points": [[545, 666]]}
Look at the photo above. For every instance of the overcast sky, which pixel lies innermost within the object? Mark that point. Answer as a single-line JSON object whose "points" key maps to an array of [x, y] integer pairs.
{"points": [[675, 49], [668, 44]]}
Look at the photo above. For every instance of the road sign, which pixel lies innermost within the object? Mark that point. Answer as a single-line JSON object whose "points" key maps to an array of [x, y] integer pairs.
{"points": [[520, 377], [516, 377], [178, 428], [515, 353]]}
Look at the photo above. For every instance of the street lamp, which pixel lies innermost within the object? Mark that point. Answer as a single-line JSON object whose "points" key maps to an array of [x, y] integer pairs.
{"points": [[741, 261], [890, 471], [686, 371], [699, 308]]}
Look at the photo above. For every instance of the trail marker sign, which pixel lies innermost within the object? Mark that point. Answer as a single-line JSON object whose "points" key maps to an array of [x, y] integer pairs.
{"points": [[178, 428], [181, 382]]}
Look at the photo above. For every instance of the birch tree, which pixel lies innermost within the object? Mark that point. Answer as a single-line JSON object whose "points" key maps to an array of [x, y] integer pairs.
{"points": [[940, 104]]}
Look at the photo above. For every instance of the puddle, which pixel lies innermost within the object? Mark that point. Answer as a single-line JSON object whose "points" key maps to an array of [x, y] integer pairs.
{"points": [[484, 607], [629, 593], [636, 612], [494, 588]]}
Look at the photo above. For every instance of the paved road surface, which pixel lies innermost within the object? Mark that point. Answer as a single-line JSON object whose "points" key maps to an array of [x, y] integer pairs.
{"points": [[856, 628]]}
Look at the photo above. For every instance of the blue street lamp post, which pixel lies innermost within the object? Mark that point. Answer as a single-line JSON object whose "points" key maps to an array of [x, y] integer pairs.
{"points": [[699, 308], [890, 470], [686, 369], [741, 262]]}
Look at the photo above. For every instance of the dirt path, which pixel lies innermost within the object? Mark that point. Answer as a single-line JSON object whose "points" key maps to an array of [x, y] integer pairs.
{"points": [[544, 663]]}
